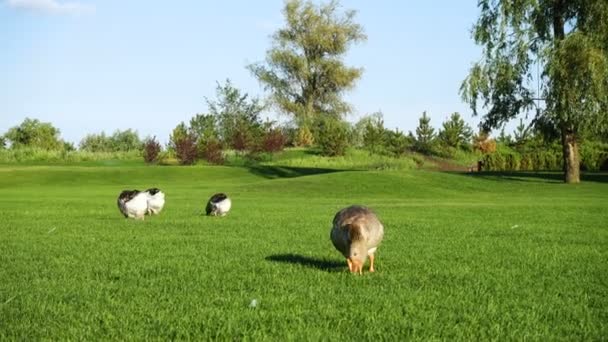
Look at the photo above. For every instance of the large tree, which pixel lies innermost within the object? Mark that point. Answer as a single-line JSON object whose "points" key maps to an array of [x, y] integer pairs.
{"points": [[304, 70], [543, 51], [33, 133]]}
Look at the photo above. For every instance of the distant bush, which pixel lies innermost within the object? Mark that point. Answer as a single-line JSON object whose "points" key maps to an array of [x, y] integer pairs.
{"points": [[540, 160], [151, 150], [127, 140], [304, 137], [397, 143], [274, 140], [185, 149], [213, 153], [332, 137], [32, 133], [593, 156]]}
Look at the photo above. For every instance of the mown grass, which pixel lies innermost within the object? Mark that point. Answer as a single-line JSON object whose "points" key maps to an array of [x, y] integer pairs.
{"points": [[465, 257]]}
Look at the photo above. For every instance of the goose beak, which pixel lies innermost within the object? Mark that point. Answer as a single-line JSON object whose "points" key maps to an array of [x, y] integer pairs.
{"points": [[354, 266]]}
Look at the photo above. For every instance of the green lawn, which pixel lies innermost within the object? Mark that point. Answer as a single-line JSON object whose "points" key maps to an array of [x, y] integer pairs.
{"points": [[464, 257]]}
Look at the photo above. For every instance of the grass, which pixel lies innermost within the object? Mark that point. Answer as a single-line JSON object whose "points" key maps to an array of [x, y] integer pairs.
{"points": [[36, 156], [465, 257]]}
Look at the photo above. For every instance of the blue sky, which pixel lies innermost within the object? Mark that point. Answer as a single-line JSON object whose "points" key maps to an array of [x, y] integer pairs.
{"points": [[90, 66]]}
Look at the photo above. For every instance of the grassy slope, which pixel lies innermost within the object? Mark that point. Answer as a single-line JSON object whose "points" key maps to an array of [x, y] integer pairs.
{"points": [[464, 257]]}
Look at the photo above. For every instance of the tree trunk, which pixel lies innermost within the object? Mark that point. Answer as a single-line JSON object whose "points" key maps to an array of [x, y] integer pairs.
{"points": [[572, 174]]}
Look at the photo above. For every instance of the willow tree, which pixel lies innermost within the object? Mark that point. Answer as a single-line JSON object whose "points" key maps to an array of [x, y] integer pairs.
{"points": [[304, 69], [549, 57]]}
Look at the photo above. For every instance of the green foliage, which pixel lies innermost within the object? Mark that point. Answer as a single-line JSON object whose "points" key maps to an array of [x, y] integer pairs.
{"points": [[425, 135], [396, 143], [30, 155], [539, 160], [34, 134], [179, 133], [204, 127], [2, 142], [238, 117], [455, 133], [593, 155], [304, 137], [332, 137], [566, 41], [119, 141], [373, 132], [304, 69]]}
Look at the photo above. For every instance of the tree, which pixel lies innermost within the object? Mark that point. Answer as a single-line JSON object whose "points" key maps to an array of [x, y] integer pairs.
{"points": [[96, 143], [238, 116], [33, 133], [521, 134], [304, 70], [455, 133], [179, 133], [151, 150], [2, 142], [374, 136], [183, 143], [204, 127], [396, 142], [425, 134], [568, 39], [125, 141], [119, 141]]}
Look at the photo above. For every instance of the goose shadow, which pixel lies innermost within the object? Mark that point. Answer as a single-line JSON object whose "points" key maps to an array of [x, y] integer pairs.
{"points": [[320, 264]]}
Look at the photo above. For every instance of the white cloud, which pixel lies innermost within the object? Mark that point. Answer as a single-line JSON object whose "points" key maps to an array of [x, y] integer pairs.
{"points": [[52, 6]]}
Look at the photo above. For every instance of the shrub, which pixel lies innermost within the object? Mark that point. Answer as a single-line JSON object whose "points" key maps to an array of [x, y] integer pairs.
{"points": [[512, 162], [396, 143], [494, 162], [333, 137], [151, 150], [593, 155], [185, 149], [273, 141], [213, 153], [304, 137], [525, 164]]}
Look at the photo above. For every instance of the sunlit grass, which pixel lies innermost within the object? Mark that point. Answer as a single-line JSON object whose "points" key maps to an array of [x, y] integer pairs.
{"points": [[466, 257]]}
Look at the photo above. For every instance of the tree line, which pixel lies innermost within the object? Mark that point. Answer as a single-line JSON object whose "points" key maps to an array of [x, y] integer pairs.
{"points": [[548, 57]]}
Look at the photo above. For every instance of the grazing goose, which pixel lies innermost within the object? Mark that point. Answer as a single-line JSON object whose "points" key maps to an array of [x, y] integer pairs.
{"points": [[133, 203], [156, 201], [218, 205], [356, 233]]}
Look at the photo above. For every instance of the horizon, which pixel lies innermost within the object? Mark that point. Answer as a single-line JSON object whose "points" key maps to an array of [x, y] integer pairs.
{"points": [[89, 66]]}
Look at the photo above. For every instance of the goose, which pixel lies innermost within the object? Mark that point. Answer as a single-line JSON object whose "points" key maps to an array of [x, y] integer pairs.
{"points": [[133, 204], [218, 205], [356, 233], [156, 201]]}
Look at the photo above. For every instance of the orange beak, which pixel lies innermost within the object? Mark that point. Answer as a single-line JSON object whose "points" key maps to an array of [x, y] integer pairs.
{"points": [[354, 266]]}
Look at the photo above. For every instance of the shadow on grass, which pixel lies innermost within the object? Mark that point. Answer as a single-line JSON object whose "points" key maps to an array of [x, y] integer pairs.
{"points": [[538, 177], [287, 171], [320, 264]]}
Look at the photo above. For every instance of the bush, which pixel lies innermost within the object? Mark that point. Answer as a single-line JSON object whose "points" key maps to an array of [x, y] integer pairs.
{"points": [[185, 150], [213, 153], [304, 137], [273, 141], [332, 137], [525, 164], [151, 150], [512, 162], [593, 156]]}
